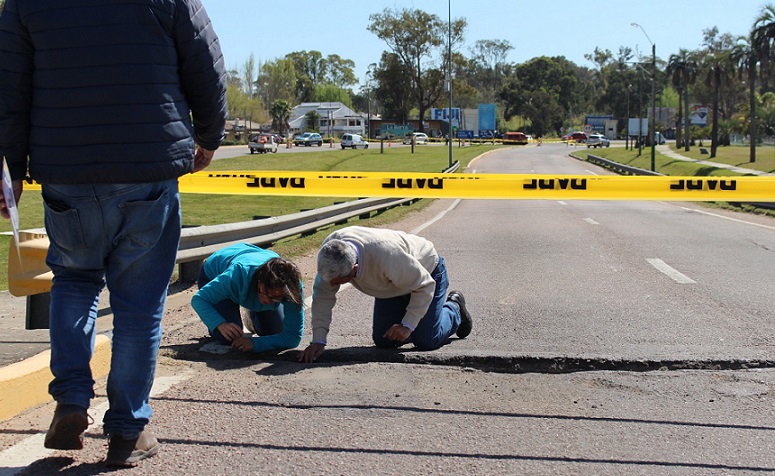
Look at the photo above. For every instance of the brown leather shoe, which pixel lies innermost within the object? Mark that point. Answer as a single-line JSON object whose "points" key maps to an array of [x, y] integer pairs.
{"points": [[124, 453], [69, 422]]}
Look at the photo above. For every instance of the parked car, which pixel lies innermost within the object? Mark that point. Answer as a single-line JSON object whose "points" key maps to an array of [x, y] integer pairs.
{"points": [[419, 138], [309, 139], [355, 141], [262, 143], [576, 136], [515, 138], [598, 140]]}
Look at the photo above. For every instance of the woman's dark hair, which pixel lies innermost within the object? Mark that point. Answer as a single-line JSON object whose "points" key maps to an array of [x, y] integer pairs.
{"points": [[280, 273]]}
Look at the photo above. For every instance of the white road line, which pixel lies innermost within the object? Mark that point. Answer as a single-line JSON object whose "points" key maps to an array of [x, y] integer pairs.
{"points": [[674, 274], [591, 221], [15, 459], [561, 202], [727, 218], [436, 218]]}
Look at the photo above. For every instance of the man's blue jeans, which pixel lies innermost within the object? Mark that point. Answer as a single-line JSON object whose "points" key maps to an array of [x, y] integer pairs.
{"points": [[438, 324], [125, 235]]}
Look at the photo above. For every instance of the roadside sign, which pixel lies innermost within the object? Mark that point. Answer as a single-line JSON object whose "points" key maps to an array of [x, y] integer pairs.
{"points": [[587, 128], [465, 134]]}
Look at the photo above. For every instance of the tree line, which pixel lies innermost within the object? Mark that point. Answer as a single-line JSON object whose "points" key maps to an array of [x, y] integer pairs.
{"points": [[731, 75]]}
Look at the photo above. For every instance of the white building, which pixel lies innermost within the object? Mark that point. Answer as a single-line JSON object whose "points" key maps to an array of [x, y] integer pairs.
{"points": [[335, 119]]}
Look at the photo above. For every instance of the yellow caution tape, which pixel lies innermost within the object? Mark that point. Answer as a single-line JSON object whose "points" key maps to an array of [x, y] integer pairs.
{"points": [[478, 186], [481, 186]]}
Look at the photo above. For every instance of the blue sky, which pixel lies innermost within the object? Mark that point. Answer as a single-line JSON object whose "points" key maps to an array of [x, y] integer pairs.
{"points": [[566, 28]]}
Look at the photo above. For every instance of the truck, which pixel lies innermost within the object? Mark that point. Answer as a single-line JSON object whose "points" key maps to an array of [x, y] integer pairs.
{"points": [[262, 143], [635, 131]]}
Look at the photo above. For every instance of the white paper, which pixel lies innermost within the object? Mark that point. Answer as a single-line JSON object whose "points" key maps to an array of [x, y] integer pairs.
{"points": [[10, 203]]}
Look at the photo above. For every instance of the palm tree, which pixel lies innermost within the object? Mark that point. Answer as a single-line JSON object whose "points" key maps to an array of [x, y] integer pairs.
{"points": [[281, 113], [746, 59], [718, 68], [682, 69], [763, 41]]}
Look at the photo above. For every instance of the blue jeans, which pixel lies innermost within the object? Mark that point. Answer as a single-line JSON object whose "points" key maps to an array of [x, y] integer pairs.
{"points": [[125, 235], [265, 323], [438, 324]]}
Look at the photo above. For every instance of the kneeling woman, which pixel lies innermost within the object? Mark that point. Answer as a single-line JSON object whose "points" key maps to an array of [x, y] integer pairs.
{"points": [[269, 287]]}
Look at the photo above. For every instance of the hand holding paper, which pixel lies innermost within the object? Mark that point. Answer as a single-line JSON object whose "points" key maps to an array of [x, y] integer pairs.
{"points": [[10, 192]]}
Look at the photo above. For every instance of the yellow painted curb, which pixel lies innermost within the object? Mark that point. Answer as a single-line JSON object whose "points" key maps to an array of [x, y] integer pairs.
{"points": [[24, 384]]}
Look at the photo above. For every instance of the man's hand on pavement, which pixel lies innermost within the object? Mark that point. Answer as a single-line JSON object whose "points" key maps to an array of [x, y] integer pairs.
{"points": [[398, 333], [312, 352]]}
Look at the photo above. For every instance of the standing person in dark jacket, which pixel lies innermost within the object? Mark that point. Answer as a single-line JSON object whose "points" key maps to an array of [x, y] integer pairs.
{"points": [[106, 104]]}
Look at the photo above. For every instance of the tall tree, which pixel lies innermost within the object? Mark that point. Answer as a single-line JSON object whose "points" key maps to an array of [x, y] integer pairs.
{"points": [[745, 57], [393, 89], [542, 90], [276, 80], [601, 59], [763, 42], [330, 92], [718, 68], [281, 112], [249, 74], [486, 70], [682, 70], [310, 68], [415, 37], [340, 71]]}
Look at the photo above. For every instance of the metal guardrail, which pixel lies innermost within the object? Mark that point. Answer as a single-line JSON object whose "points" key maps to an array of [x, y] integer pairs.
{"points": [[197, 243], [627, 170], [617, 167]]}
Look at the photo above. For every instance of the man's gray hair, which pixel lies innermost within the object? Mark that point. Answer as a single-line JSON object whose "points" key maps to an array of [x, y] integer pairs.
{"points": [[336, 259]]}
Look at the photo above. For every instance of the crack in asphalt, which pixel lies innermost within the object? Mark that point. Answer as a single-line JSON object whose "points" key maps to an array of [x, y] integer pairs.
{"points": [[514, 364]]}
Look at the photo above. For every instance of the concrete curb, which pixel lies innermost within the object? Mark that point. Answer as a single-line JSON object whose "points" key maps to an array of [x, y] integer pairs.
{"points": [[24, 384]]}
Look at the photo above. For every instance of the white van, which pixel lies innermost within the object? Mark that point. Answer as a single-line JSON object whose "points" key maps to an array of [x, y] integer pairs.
{"points": [[355, 141]]}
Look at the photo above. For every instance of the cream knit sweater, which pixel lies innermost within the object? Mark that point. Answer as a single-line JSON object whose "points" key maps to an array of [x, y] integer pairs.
{"points": [[390, 264]]}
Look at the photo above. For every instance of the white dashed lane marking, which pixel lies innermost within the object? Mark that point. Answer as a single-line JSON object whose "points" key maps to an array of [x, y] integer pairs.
{"points": [[673, 273]]}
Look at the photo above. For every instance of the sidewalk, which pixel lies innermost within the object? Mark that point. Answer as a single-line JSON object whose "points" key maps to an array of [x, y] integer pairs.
{"points": [[665, 150]]}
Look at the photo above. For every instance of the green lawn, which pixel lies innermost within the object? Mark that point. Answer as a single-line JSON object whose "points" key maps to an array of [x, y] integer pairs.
{"points": [[736, 155], [663, 164], [217, 209]]}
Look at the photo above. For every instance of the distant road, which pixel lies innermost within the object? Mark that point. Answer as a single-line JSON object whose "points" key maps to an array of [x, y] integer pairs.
{"points": [[229, 151]]}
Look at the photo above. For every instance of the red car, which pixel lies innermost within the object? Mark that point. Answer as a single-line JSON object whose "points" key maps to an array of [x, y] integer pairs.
{"points": [[577, 136]]}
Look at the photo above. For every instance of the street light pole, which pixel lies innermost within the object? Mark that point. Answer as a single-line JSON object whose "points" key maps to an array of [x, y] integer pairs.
{"points": [[653, 124], [627, 124], [449, 75], [369, 77]]}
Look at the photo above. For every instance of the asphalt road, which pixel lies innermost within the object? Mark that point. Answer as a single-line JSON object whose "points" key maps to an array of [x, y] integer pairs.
{"points": [[610, 338]]}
